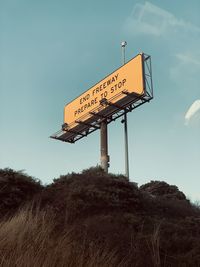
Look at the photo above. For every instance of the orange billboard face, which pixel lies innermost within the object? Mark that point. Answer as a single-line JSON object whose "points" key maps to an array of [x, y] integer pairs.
{"points": [[126, 80]]}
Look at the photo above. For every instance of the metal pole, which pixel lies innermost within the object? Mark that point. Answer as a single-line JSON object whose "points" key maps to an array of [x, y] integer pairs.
{"points": [[123, 44], [104, 146]]}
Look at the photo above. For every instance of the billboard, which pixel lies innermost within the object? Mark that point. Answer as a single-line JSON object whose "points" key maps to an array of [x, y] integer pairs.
{"points": [[127, 88], [108, 95]]}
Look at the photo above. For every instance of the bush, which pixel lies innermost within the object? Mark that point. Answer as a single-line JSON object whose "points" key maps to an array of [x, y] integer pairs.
{"points": [[15, 189], [98, 219]]}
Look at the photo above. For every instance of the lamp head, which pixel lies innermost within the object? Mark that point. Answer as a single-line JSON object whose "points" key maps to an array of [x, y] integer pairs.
{"points": [[123, 44]]}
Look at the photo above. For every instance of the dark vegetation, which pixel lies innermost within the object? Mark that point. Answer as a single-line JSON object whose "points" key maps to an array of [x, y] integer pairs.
{"points": [[16, 189], [95, 219]]}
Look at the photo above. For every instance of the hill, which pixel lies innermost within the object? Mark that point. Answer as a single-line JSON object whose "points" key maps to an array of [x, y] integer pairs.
{"points": [[95, 219]]}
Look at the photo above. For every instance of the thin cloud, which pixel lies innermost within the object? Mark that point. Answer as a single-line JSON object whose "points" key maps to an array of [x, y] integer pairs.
{"points": [[152, 20], [193, 109], [188, 59], [185, 71], [187, 63]]}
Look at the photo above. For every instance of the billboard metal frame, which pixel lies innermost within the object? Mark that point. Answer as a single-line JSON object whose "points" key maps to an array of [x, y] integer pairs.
{"points": [[73, 135]]}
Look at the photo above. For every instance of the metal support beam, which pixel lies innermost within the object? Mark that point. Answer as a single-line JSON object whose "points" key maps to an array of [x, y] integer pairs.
{"points": [[88, 124], [123, 45], [75, 132], [129, 94], [135, 96], [104, 146], [126, 146], [114, 105], [99, 115]]}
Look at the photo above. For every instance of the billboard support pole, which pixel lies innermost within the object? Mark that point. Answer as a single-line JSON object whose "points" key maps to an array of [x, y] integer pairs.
{"points": [[104, 146], [123, 44]]}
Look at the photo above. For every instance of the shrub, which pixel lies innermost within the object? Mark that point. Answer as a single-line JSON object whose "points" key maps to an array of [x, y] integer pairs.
{"points": [[15, 189]]}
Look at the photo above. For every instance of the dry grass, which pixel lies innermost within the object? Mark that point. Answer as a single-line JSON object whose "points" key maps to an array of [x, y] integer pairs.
{"points": [[155, 246], [29, 239]]}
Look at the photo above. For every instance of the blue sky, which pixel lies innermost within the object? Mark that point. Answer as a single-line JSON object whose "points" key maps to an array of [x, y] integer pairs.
{"points": [[51, 51]]}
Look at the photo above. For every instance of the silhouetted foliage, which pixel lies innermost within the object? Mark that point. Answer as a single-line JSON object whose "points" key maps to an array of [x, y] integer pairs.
{"points": [[93, 213], [160, 188], [15, 189]]}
